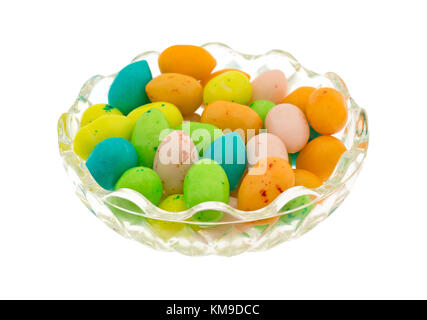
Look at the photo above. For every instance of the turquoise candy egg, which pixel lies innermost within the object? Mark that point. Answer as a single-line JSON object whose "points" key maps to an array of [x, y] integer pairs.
{"points": [[299, 215], [147, 134], [127, 91], [109, 160], [230, 153], [293, 158]]}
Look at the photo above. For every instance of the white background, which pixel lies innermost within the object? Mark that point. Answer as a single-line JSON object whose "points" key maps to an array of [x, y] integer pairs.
{"points": [[373, 246]]}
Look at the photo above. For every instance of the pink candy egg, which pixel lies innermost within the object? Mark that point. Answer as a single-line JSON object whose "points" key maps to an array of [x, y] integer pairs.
{"points": [[263, 146], [288, 122], [270, 85], [174, 156]]}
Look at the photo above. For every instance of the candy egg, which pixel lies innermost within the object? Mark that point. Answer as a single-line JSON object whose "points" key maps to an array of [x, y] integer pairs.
{"points": [[233, 116], [146, 135], [265, 145], [183, 91], [320, 156], [217, 73], [262, 107], [96, 111], [191, 60], [174, 156], [206, 181], [307, 179], [299, 97], [297, 216], [100, 129], [231, 86], [127, 91], [327, 111], [230, 153], [264, 182], [288, 123], [143, 180], [202, 134], [109, 160], [270, 85], [173, 203], [172, 113]]}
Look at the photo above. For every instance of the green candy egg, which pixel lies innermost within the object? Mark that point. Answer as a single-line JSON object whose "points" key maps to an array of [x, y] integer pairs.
{"points": [[119, 206], [147, 134], [262, 107], [231, 86], [206, 181], [202, 134], [143, 180], [298, 215]]}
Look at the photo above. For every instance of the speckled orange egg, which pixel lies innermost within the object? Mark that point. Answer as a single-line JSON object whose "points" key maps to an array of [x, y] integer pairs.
{"points": [[320, 156], [299, 97], [307, 179], [234, 116], [264, 182], [183, 91], [187, 59], [194, 117], [326, 111], [217, 73]]}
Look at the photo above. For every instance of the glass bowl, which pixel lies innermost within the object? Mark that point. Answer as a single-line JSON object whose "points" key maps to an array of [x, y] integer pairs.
{"points": [[293, 213]]}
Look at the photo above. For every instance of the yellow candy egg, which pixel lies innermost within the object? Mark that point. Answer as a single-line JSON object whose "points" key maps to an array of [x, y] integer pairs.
{"points": [[96, 111], [100, 129], [231, 86], [167, 229], [170, 111]]}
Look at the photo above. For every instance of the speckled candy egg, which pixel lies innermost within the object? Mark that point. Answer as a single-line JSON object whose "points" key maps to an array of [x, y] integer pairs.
{"points": [[143, 180], [233, 116], [262, 107], [97, 111], [320, 156], [265, 182], [110, 159], [174, 156], [217, 73], [288, 122], [327, 111], [100, 129], [127, 91], [187, 59], [146, 135], [206, 181], [230, 153], [183, 91], [231, 86], [172, 113], [270, 85], [299, 97], [265, 145]]}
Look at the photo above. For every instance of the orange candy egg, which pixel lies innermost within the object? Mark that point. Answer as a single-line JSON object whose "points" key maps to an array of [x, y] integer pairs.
{"points": [[326, 111], [234, 116], [320, 156], [187, 59], [264, 183], [307, 179], [217, 73], [183, 91], [299, 97]]}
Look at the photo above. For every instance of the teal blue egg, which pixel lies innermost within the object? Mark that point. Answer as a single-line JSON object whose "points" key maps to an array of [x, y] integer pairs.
{"points": [[230, 153], [313, 133], [110, 159], [127, 91]]}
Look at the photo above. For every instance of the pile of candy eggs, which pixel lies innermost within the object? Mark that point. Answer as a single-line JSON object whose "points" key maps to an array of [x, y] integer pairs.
{"points": [[240, 150]]}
